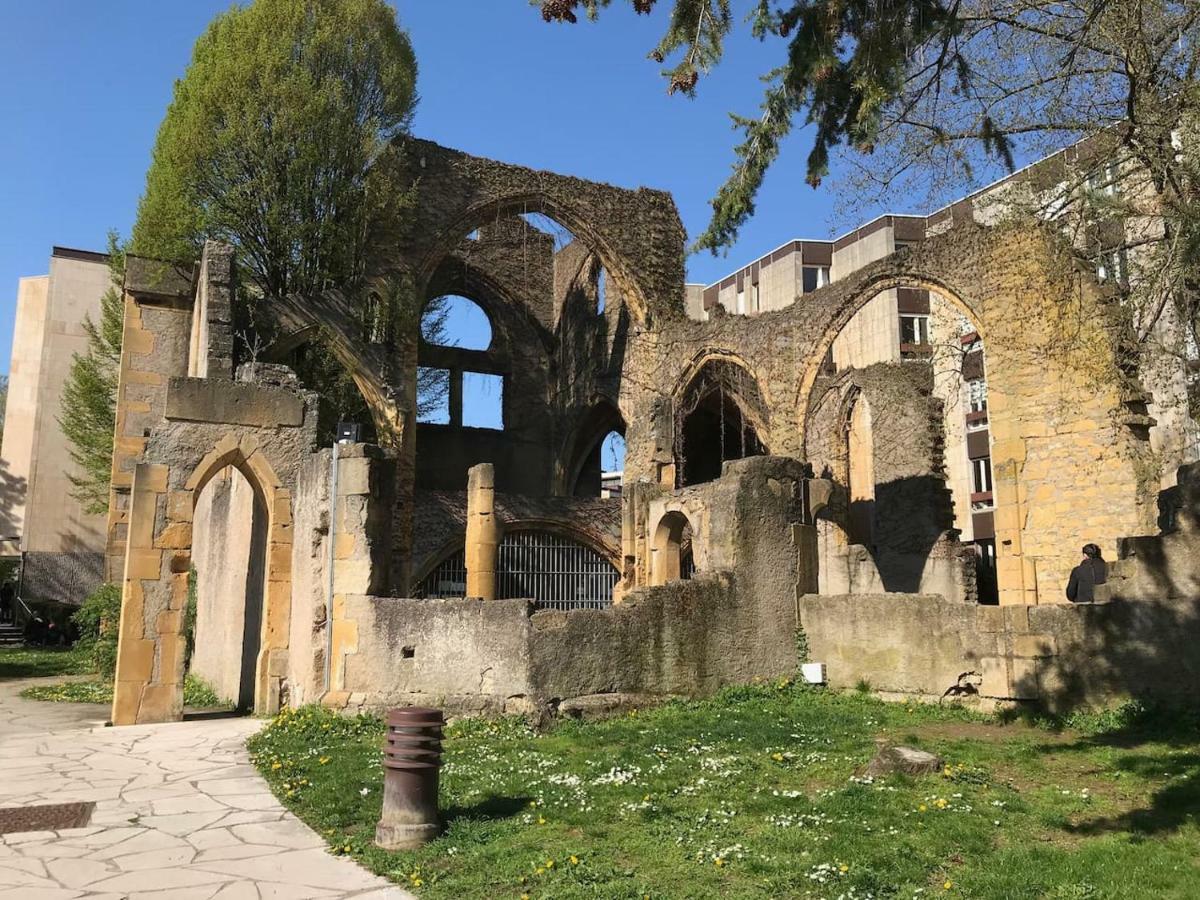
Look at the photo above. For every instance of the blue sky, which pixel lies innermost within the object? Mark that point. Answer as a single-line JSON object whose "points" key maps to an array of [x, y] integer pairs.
{"points": [[83, 87]]}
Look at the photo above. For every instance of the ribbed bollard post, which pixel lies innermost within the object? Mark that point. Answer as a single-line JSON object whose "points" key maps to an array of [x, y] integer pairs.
{"points": [[412, 759]]}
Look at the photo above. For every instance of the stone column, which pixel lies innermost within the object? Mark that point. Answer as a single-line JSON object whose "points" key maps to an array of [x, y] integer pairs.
{"points": [[483, 532]]}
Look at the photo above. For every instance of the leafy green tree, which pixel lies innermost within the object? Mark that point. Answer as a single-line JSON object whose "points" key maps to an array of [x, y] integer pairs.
{"points": [[88, 406], [270, 138], [937, 92]]}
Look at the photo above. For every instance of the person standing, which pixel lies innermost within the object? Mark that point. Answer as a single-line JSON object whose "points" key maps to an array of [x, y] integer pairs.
{"points": [[1085, 576]]}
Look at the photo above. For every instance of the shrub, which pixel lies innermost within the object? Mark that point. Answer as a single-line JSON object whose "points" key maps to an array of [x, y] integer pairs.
{"points": [[99, 620]]}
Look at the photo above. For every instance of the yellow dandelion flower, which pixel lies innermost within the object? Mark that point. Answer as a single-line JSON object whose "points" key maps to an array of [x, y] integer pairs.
{"points": [[947, 884], [541, 820], [323, 760], [843, 868], [574, 860], [778, 757], [922, 808], [276, 766], [417, 882], [718, 862], [549, 864]]}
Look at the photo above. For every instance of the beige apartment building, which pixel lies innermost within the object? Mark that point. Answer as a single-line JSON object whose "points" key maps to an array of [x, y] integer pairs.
{"points": [[61, 546]]}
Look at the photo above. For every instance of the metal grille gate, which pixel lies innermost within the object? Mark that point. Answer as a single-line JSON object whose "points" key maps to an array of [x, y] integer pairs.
{"points": [[556, 572]]}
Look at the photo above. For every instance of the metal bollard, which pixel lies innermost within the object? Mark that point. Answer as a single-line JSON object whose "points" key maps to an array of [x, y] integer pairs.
{"points": [[412, 760]]}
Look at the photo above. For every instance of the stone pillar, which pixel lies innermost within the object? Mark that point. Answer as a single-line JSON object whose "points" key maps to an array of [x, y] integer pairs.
{"points": [[362, 515], [483, 532]]}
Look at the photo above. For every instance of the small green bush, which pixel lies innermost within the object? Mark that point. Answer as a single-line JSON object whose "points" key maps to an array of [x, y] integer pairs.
{"points": [[99, 620]]}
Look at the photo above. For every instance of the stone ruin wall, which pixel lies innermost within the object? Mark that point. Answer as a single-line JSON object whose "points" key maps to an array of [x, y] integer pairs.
{"points": [[1056, 411]]}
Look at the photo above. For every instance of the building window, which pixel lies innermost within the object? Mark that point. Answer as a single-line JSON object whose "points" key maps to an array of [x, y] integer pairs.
{"points": [[977, 395], [1103, 180], [981, 483], [482, 400], [1113, 265], [754, 302], [814, 277], [914, 330]]}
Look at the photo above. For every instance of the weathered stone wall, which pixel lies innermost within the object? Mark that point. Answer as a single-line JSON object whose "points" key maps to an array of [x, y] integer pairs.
{"points": [[734, 621], [1058, 407], [1060, 655]]}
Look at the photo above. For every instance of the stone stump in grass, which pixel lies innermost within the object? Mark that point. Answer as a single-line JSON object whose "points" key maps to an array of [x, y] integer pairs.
{"points": [[891, 758]]}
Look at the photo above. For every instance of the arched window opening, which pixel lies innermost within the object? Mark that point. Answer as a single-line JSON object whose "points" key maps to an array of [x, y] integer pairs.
{"points": [[672, 556], [712, 426], [229, 558], [455, 321], [601, 289], [554, 571], [560, 234], [453, 385], [861, 468], [447, 579], [603, 468]]}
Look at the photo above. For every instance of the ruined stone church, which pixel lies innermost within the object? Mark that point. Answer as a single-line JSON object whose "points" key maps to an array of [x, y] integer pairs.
{"points": [[881, 453]]}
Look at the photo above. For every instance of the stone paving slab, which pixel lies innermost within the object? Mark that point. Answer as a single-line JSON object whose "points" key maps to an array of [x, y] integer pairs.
{"points": [[181, 814]]}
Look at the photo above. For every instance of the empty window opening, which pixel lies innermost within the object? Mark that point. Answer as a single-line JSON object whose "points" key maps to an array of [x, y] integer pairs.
{"points": [[455, 321], [603, 468], [981, 483], [408, 652], [714, 431], [561, 235], [814, 277], [601, 288], [672, 556], [914, 331], [433, 395], [482, 400]]}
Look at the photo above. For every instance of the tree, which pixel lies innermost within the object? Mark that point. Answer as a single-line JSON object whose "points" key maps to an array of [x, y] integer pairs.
{"points": [[88, 405], [270, 138], [930, 98], [949, 86]]}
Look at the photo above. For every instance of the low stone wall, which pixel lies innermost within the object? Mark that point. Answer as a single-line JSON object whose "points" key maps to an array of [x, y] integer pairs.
{"points": [[1061, 655], [685, 638]]}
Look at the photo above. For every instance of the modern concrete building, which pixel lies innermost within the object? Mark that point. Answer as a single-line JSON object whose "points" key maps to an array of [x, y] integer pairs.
{"points": [[61, 545]]}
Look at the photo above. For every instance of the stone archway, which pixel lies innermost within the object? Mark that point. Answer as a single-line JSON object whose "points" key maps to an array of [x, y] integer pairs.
{"points": [[151, 643], [1064, 430]]}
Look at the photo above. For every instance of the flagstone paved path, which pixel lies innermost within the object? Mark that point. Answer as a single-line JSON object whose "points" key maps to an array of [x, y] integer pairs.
{"points": [[180, 814]]}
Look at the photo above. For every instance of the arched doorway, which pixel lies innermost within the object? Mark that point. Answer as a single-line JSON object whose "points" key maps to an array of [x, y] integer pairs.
{"points": [[226, 587], [672, 556], [860, 459]]}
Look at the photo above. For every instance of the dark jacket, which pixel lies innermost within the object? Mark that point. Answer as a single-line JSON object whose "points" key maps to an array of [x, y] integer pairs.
{"points": [[1084, 578]]}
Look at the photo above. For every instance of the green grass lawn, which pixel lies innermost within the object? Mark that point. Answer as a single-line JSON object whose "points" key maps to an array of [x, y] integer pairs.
{"points": [[196, 693], [44, 662], [755, 794], [39, 662]]}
